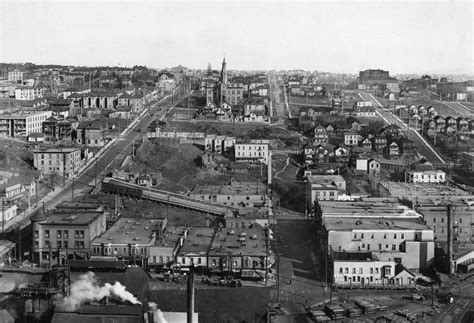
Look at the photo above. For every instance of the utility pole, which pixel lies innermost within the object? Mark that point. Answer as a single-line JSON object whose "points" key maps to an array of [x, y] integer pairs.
{"points": [[449, 208], [19, 243], [36, 192], [3, 218], [278, 277]]}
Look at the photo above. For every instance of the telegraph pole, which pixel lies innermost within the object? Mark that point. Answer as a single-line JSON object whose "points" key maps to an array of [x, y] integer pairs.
{"points": [[36, 191], [72, 192], [278, 277], [3, 218], [19, 243]]}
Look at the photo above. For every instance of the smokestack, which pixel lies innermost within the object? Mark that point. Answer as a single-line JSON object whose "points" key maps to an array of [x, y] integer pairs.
{"points": [[190, 308], [450, 239]]}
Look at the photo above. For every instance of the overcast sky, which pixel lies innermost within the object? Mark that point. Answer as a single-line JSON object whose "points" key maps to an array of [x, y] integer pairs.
{"points": [[402, 37]]}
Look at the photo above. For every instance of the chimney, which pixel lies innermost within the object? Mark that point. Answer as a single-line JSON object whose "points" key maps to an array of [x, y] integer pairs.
{"points": [[190, 298]]}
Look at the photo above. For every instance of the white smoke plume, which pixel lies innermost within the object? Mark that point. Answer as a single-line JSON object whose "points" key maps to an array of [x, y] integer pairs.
{"points": [[159, 318], [87, 289]]}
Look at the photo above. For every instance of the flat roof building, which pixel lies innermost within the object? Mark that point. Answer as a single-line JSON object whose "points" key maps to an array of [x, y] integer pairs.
{"points": [[245, 194], [243, 252], [323, 188], [62, 161], [255, 150], [21, 124], [66, 233], [404, 241], [195, 247], [128, 239], [411, 192]]}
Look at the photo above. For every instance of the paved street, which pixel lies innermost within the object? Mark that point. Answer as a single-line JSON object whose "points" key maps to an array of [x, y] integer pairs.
{"points": [[280, 109], [300, 280]]}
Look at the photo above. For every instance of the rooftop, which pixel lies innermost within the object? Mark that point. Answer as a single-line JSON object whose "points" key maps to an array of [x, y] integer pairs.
{"points": [[324, 179], [413, 191], [58, 150], [198, 241], [82, 218], [372, 209], [253, 141], [350, 224], [22, 114], [131, 231], [170, 236], [246, 242]]}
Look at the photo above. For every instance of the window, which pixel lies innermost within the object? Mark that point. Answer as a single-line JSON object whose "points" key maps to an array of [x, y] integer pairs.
{"points": [[361, 270], [442, 220], [376, 270], [66, 234], [47, 243], [403, 235], [183, 260], [346, 270], [460, 220], [362, 236], [340, 270], [368, 247], [394, 235], [199, 261], [59, 234], [388, 271], [79, 234], [442, 229], [59, 244], [46, 234], [66, 244], [380, 246], [385, 236], [363, 245], [394, 247], [36, 234], [434, 220], [355, 235], [36, 244], [386, 246], [371, 236], [371, 270], [353, 270]]}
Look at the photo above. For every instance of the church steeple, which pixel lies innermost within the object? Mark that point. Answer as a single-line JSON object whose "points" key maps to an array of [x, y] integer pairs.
{"points": [[224, 72]]}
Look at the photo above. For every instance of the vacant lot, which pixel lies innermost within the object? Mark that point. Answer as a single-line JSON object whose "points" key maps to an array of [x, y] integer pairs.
{"points": [[303, 100], [14, 149]]}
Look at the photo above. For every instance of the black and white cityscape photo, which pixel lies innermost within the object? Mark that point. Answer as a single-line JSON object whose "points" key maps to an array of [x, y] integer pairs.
{"points": [[243, 161]]}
